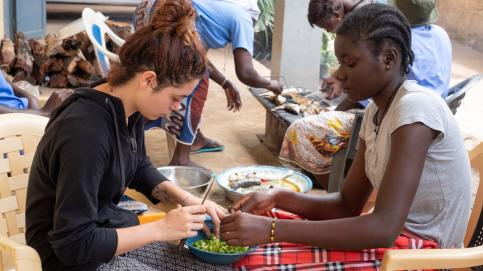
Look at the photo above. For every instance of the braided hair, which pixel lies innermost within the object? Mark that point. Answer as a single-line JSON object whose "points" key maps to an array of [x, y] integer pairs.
{"points": [[322, 9], [169, 46], [376, 24]]}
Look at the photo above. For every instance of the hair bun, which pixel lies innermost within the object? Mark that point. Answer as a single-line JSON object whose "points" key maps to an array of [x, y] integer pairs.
{"points": [[176, 17]]}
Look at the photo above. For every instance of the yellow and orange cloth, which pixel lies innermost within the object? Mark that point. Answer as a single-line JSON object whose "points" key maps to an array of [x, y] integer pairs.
{"points": [[311, 142]]}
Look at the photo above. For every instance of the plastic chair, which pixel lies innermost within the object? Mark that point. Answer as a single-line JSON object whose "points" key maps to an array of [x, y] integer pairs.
{"points": [[19, 136], [75, 27], [337, 170], [96, 30], [470, 256], [458, 92]]}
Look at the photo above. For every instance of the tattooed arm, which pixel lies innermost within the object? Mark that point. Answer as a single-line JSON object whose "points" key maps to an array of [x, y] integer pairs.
{"points": [[169, 192]]}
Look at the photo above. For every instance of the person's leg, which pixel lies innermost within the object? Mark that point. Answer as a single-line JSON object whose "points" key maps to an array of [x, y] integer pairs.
{"points": [[181, 157], [190, 116], [202, 143]]}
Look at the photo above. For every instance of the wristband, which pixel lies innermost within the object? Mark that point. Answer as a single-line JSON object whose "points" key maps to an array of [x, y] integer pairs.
{"points": [[222, 84], [182, 202]]}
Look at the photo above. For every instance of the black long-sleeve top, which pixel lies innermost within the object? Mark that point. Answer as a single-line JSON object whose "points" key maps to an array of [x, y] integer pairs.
{"points": [[75, 181]]}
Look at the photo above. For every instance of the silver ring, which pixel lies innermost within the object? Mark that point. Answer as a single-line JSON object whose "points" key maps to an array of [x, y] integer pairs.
{"points": [[227, 232]]}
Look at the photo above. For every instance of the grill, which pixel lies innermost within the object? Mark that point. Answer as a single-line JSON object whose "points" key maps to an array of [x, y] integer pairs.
{"points": [[278, 121]]}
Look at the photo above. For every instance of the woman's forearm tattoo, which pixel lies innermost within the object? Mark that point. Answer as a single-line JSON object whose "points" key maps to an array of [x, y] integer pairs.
{"points": [[160, 192]]}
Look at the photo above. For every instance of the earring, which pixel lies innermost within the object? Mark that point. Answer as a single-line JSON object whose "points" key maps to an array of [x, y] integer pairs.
{"points": [[387, 66]]}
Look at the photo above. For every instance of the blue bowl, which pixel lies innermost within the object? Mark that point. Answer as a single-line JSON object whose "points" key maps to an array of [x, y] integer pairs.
{"points": [[213, 257]]}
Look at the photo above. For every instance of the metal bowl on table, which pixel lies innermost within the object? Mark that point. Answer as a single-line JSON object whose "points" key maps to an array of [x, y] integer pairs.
{"points": [[191, 179], [299, 180]]}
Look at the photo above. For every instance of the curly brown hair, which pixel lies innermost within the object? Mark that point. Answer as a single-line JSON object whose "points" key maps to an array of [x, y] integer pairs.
{"points": [[169, 46]]}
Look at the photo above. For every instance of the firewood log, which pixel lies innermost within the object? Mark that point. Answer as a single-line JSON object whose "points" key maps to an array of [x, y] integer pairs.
{"points": [[77, 81], [20, 75], [122, 30], [42, 63], [37, 47], [86, 47], [57, 66], [86, 66], [25, 59], [70, 64], [71, 44], [58, 80], [39, 78], [88, 76], [53, 47], [8, 53]]}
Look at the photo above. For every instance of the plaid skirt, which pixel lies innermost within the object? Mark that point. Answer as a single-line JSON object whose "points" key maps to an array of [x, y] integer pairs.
{"points": [[286, 256]]}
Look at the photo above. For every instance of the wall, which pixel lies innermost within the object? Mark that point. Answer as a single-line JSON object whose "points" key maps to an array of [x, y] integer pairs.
{"points": [[463, 20], [295, 45]]}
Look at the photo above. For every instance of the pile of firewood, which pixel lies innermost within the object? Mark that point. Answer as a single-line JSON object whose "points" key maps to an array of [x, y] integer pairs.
{"points": [[57, 64]]}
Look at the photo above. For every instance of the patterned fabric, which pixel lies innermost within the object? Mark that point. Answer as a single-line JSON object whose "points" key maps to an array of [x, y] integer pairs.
{"points": [[128, 203], [159, 256], [286, 256], [183, 124], [311, 142]]}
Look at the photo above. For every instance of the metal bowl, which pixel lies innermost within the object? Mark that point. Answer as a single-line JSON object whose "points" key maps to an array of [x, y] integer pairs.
{"points": [[191, 179], [303, 182]]}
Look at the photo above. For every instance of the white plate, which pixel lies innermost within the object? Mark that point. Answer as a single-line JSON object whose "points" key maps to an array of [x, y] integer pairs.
{"points": [[303, 182]]}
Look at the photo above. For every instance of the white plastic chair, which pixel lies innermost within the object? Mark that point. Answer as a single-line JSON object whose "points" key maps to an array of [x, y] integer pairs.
{"points": [[96, 30], [75, 27], [19, 136]]}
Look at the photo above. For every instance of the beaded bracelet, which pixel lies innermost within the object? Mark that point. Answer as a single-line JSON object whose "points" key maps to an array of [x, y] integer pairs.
{"points": [[273, 230], [182, 202]]}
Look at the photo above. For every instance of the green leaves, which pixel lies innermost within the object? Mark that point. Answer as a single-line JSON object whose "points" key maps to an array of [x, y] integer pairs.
{"points": [[216, 245], [265, 19]]}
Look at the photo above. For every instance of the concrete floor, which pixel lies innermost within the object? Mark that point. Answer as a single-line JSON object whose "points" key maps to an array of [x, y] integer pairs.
{"points": [[238, 130]]}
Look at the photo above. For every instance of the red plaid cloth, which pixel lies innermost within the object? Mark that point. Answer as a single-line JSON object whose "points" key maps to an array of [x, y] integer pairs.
{"points": [[286, 256]]}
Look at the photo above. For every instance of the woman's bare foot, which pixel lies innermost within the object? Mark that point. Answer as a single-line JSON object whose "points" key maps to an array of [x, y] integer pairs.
{"points": [[204, 144], [181, 158]]}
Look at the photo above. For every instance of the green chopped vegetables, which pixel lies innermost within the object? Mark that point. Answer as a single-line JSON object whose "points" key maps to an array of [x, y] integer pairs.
{"points": [[216, 245]]}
